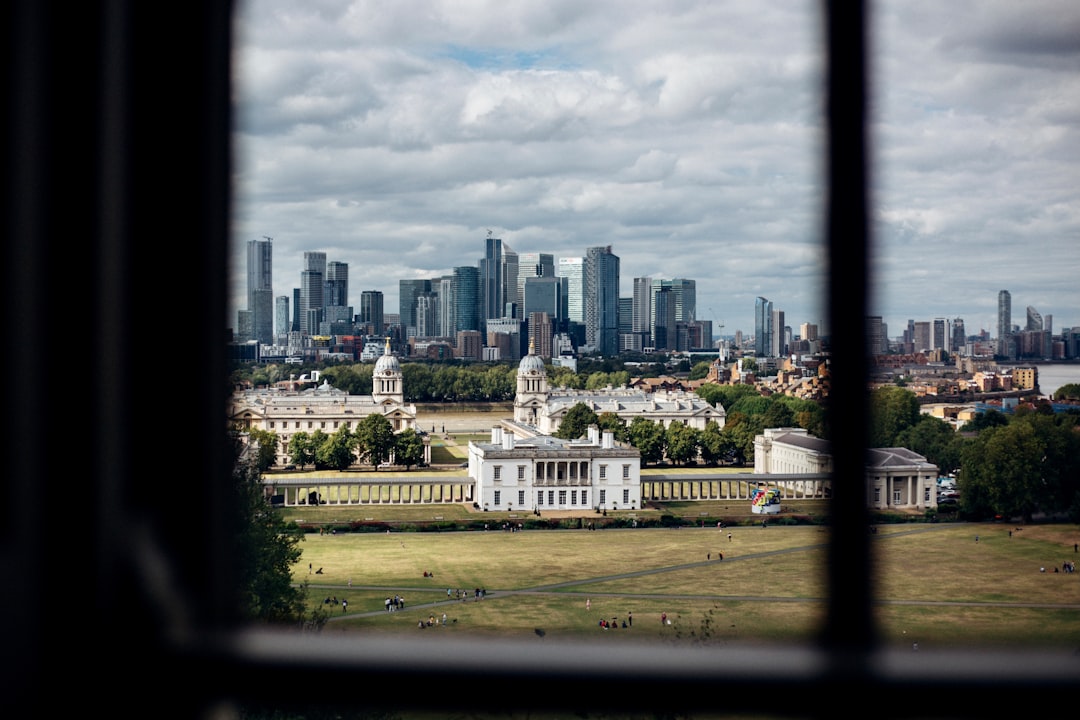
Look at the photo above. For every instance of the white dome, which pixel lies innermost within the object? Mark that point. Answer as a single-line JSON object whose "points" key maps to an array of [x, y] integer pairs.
{"points": [[531, 365], [387, 363]]}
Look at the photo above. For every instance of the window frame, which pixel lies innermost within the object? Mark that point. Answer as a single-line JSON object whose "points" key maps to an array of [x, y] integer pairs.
{"points": [[159, 595]]}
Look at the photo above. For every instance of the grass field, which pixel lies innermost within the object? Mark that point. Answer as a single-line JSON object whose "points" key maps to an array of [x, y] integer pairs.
{"points": [[935, 584]]}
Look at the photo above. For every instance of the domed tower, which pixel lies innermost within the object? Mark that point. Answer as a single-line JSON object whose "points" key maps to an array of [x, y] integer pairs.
{"points": [[386, 380], [532, 389]]}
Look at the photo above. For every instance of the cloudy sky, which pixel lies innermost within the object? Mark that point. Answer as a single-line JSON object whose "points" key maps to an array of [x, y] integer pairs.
{"points": [[687, 135]]}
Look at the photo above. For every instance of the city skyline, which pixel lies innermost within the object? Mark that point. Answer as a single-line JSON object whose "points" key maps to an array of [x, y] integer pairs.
{"points": [[688, 139]]}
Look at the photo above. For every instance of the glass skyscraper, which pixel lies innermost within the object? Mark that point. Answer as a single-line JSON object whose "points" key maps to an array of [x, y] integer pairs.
{"points": [[602, 300], [260, 292]]}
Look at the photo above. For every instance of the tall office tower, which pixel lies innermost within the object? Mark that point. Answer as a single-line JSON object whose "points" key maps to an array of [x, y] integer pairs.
{"points": [[371, 310], [296, 310], [602, 300], [408, 291], [920, 339], [491, 280], [529, 265], [1034, 319], [641, 319], [778, 345], [545, 295], [509, 283], [427, 311], [573, 269], [260, 280], [336, 290], [762, 326], [875, 336], [466, 298], [626, 315], [958, 336], [445, 324], [664, 322], [1004, 322], [808, 331], [282, 322], [939, 334], [312, 284], [685, 299], [540, 335]]}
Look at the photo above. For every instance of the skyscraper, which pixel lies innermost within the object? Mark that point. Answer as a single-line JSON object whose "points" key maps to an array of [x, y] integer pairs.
{"points": [[282, 321], [371, 310], [260, 290], [762, 326], [336, 291], [1004, 322], [641, 320], [777, 335], [491, 280], [466, 298], [602, 300], [312, 280], [408, 291], [530, 265], [573, 269]]}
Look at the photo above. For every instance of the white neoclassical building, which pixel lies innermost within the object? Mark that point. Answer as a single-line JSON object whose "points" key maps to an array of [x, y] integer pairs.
{"points": [[540, 472], [895, 477], [289, 409], [540, 406]]}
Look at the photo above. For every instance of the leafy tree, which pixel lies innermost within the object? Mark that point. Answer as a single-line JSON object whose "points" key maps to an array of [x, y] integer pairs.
{"points": [[892, 410], [576, 422], [934, 439], [375, 439], [1069, 391], [987, 419], [611, 421], [1002, 472], [778, 414], [682, 443], [301, 449], [408, 448], [318, 439], [699, 370], [336, 451], [739, 431], [265, 444], [265, 548], [755, 404], [648, 437], [713, 445]]}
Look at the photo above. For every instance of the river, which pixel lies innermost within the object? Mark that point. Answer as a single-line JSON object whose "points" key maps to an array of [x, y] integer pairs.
{"points": [[1054, 375]]}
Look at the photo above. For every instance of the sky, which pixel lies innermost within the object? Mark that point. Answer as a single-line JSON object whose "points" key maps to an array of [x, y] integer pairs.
{"points": [[687, 135]]}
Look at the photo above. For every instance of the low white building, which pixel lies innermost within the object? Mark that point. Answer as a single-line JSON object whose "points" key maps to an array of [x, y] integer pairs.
{"points": [[539, 473], [895, 477]]}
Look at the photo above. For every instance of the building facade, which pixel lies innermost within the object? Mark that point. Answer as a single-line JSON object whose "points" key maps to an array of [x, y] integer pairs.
{"points": [[539, 473]]}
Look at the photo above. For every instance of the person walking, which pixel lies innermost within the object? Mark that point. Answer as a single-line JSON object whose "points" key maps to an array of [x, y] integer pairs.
{"points": [[588, 603]]}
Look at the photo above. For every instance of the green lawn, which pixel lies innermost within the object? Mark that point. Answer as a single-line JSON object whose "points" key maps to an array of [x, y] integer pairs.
{"points": [[935, 584]]}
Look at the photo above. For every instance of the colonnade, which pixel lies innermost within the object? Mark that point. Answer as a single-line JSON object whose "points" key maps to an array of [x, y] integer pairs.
{"points": [[374, 491], [733, 487]]}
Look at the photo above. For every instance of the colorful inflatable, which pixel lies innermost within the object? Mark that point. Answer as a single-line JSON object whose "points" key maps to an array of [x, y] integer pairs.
{"points": [[765, 501]]}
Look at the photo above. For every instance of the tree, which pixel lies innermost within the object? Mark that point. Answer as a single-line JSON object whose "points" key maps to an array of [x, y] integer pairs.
{"points": [[375, 439], [682, 443], [301, 450], [892, 410], [408, 448], [699, 370], [576, 422], [336, 451], [1002, 473], [713, 444], [612, 422], [1069, 391], [648, 437], [265, 444], [934, 439], [265, 549]]}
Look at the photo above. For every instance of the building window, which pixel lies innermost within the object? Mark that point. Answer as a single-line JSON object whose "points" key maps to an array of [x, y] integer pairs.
{"points": [[573, 497], [498, 472], [584, 497], [562, 497], [626, 496], [626, 472], [926, 495], [271, 424], [603, 497], [603, 471], [877, 495], [521, 498], [540, 497], [498, 498], [896, 497], [551, 497], [521, 472], [296, 424]]}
